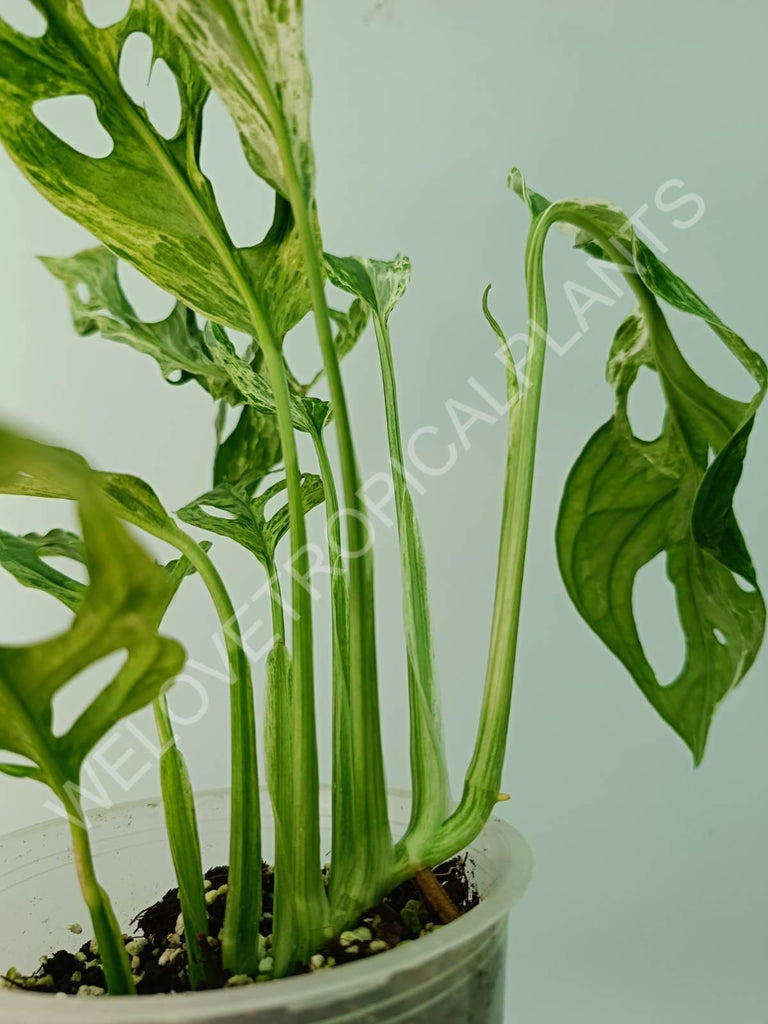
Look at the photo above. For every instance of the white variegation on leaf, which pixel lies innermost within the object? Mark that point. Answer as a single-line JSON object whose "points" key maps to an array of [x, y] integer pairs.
{"points": [[147, 200], [251, 52]]}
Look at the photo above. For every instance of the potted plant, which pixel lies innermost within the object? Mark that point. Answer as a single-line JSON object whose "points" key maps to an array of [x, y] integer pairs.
{"points": [[397, 870]]}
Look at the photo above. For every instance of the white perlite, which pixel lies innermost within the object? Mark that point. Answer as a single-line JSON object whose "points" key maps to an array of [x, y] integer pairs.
{"points": [[169, 957]]}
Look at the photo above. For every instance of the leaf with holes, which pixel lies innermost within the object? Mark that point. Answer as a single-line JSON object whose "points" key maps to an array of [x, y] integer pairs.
{"points": [[21, 556], [308, 414], [24, 558], [245, 520], [148, 199], [119, 610], [99, 306], [251, 52], [628, 500]]}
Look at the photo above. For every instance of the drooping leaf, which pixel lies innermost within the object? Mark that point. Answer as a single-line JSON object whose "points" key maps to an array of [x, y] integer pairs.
{"points": [[148, 199], [628, 500], [119, 611], [245, 520], [251, 52]]}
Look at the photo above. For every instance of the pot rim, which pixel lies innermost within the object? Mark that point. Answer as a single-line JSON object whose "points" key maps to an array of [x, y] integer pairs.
{"points": [[499, 843]]}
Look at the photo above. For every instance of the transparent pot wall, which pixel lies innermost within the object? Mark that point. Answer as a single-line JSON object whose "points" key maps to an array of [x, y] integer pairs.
{"points": [[455, 976]]}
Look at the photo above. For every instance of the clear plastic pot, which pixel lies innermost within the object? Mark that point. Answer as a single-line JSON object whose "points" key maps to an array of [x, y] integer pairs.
{"points": [[454, 976]]}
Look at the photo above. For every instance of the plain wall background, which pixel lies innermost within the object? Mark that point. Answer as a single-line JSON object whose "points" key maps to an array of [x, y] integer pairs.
{"points": [[649, 900]]}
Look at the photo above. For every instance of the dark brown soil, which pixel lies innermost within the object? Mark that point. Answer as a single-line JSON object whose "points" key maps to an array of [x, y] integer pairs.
{"points": [[158, 951]]}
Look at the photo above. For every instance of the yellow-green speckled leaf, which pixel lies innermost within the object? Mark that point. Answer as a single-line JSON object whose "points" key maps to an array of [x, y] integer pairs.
{"points": [[148, 199]]}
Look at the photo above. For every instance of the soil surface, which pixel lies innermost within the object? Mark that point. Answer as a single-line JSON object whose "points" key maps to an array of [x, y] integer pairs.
{"points": [[158, 947]]}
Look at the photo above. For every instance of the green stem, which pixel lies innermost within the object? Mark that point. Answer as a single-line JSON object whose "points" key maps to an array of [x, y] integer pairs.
{"points": [[243, 915], [429, 771], [370, 797], [300, 909], [343, 840], [114, 959], [371, 817], [306, 876], [184, 842], [483, 778], [276, 602]]}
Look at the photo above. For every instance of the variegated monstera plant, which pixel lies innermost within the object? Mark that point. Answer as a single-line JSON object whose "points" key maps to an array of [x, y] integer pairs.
{"points": [[626, 501]]}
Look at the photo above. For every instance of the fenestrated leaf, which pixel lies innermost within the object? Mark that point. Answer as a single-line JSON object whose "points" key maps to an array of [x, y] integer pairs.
{"points": [[178, 798], [627, 500], [24, 558], [251, 52], [119, 612], [134, 501], [307, 414], [99, 305], [148, 199], [244, 518]]}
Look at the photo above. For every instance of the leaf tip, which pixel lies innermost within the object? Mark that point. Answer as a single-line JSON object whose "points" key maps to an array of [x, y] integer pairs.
{"points": [[515, 180]]}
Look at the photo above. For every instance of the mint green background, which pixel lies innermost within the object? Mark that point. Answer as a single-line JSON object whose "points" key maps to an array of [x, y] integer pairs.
{"points": [[649, 901]]}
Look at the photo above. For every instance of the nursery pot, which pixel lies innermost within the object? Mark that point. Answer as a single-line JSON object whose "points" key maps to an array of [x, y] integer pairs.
{"points": [[454, 976]]}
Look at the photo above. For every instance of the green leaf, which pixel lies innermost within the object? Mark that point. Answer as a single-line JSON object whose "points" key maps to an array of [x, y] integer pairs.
{"points": [[251, 52], [24, 559], [250, 452], [244, 519], [119, 612], [178, 798], [134, 501], [99, 305], [148, 200], [379, 283], [307, 414], [350, 326], [21, 771], [627, 500]]}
